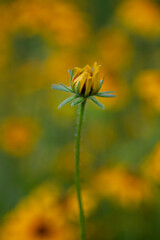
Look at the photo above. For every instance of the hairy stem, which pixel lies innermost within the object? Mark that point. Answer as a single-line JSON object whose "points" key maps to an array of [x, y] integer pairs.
{"points": [[77, 175]]}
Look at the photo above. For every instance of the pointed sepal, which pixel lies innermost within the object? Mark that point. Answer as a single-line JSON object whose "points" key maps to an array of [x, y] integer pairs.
{"points": [[67, 88], [66, 101], [96, 102], [106, 94], [77, 101], [77, 89], [101, 82], [60, 88], [71, 74]]}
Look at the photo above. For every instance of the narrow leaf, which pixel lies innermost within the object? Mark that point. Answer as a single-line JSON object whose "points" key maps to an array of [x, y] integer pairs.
{"points": [[77, 101], [96, 102], [68, 88], [66, 101], [61, 88]]}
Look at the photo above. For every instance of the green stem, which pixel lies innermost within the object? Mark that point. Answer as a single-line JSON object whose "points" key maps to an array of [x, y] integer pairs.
{"points": [[77, 175]]}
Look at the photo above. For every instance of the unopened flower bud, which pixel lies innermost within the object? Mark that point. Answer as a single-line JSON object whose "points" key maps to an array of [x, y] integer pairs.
{"points": [[87, 79]]}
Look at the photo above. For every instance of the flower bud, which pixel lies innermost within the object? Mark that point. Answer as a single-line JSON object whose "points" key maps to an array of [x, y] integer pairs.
{"points": [[87, 80]]}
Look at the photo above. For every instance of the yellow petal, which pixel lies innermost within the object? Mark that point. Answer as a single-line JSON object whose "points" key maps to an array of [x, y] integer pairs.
{"points": [[88, 86], [96, 68], [82, 80], [76, 72], [88, 69], [95, 82]]}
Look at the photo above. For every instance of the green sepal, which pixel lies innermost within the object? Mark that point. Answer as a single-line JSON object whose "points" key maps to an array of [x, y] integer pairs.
{"points": [[60, 88], [68, 88], [97, 102], [77, 88], [66, 101], [106, 94], [71, 74], [101, 82], [77, 101]]}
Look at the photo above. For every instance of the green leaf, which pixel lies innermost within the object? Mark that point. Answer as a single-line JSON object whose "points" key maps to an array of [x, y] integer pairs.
{"points": [[66, 101], [96, 102], [106, 94], [60, 88], [77, 101], [68, 88]]}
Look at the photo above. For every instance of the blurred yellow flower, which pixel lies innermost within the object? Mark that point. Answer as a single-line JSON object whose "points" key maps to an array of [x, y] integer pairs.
{"points": [[148, 84], [37, 217], [114, 49], [87, 79], [122, 186], [18, 136], [48, 18], [141, 16], [151, 167]]}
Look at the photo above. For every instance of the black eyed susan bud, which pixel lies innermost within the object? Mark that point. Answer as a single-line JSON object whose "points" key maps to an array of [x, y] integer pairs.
{"points": [[87, 80], [85, 83]]}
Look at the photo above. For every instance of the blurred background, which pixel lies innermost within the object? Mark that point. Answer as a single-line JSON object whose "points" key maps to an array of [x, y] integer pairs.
{"points": [[120, 157]]}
